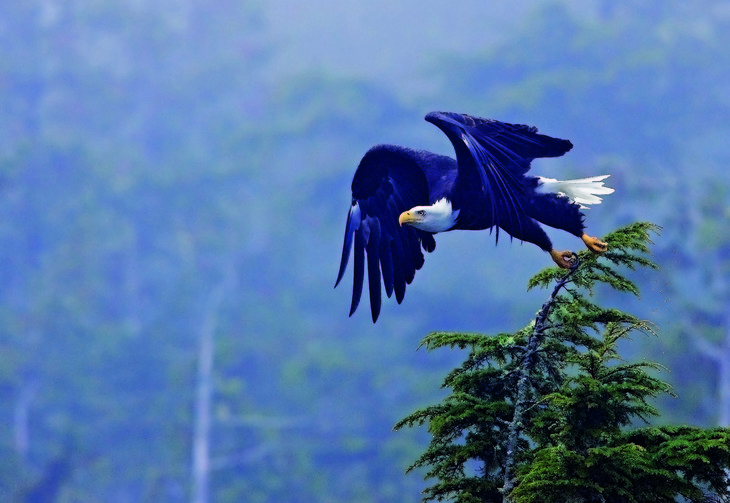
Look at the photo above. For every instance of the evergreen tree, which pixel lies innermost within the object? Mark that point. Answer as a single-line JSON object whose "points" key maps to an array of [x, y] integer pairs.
{"points": [[545, 414]]}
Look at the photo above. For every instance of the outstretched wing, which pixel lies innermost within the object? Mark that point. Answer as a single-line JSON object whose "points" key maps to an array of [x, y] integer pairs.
{"points": [[387, 182], [493, 158]]}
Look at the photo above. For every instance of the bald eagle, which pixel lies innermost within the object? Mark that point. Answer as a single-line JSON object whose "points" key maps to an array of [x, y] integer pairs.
{"points": [[401, 197]]}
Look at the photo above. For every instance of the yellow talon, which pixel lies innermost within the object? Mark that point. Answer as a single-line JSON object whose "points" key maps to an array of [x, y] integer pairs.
{"points": [[594, 244], [564, 259]]}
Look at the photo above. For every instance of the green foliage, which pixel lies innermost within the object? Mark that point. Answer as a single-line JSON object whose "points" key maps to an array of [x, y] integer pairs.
{"points": [[544, 414], [647, 464], [627, 247]]}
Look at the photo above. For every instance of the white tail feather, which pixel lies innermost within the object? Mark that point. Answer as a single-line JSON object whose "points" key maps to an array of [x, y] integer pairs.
{"points": [[582, 191]]}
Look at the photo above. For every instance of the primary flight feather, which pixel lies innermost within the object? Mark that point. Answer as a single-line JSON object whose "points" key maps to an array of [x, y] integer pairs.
{"points": [[401, 197]]}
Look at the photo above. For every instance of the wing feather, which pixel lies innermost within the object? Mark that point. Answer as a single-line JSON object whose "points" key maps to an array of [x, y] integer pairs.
{"points": [[358, 266], [386, 267], [353, 223], [493, 158], [373, 249], [388, 181]]}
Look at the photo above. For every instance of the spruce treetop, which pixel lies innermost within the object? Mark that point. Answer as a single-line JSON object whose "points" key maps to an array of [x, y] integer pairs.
{"points": [[545, 413]]}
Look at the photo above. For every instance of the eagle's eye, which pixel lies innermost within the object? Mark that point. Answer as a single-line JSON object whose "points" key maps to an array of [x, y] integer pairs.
{"points": [[421, 212]]}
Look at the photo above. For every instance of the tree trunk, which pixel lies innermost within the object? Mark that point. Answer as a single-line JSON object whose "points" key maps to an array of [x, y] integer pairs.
{"points": [[21, 413], [719, 353], [524, 384], [204, 391], [723, 362]]}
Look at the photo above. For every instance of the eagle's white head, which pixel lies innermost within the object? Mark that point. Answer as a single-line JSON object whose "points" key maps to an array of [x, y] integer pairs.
{"points": [[438, 217]]}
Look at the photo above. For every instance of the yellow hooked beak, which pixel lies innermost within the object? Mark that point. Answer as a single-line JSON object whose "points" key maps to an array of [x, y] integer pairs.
{"points": [[407, 218]]}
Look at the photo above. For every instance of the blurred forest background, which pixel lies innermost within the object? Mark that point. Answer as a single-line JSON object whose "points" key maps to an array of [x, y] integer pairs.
{"points": [[174, 182]]}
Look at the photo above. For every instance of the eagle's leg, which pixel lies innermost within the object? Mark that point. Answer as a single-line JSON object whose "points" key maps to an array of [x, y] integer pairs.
{"points": [[564, 259], [594, 244]]}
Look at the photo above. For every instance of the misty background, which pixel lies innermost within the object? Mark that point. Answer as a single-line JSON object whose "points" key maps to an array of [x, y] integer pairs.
{"points": [[174, 184]]}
